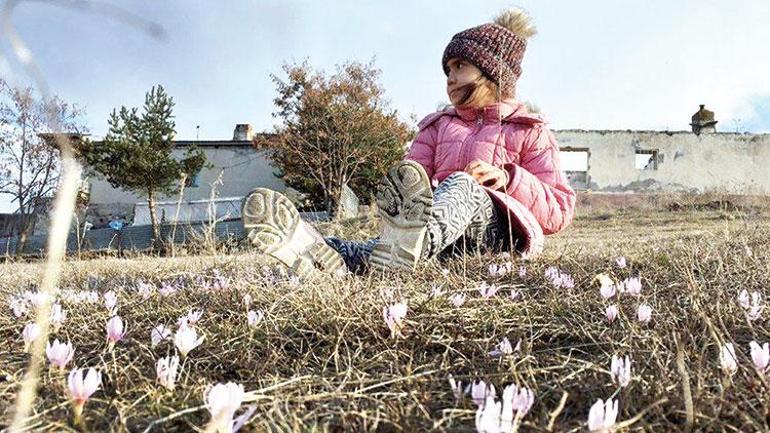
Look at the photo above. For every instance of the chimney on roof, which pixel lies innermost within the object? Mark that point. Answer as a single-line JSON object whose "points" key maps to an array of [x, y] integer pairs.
{"points": [[703, 121], [243, 132]]}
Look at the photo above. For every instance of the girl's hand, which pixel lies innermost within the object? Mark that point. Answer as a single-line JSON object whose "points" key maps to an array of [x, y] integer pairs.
{"points": [[487, 174]]}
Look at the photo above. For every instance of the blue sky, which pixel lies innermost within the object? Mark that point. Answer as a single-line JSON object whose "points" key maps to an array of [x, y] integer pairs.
{"points": [[595, 64]]}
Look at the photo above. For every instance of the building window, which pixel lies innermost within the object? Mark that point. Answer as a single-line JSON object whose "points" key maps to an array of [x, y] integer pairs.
{"points": [[193, 181], [646, 160], [574, 162]]}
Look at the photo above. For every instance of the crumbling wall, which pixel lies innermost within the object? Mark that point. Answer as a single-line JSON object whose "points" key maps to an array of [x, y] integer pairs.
{"points": [[683, 161]]}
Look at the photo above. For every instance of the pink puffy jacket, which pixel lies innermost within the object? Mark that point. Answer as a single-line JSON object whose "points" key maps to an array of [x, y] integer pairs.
{"points": [[538, 199]]}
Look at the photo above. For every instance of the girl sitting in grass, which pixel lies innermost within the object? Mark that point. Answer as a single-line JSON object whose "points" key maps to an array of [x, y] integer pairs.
{"points": [[494, 165]]}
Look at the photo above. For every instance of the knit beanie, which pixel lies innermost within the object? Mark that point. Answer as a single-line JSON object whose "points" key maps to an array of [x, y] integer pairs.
{"points": [[496, 48]]}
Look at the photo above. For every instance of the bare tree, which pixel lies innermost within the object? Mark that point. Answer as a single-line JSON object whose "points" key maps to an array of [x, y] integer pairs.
{"points": [[29, 163]]}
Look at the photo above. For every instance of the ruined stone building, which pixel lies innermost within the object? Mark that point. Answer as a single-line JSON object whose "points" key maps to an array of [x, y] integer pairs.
{"points": [[699, 160]]}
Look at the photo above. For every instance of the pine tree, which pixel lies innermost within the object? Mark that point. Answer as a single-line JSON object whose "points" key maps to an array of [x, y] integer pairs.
{"points": [[135, 155]]}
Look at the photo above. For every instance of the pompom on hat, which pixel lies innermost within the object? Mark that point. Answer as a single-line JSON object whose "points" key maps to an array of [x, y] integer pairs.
{"points": [[496, 48]]}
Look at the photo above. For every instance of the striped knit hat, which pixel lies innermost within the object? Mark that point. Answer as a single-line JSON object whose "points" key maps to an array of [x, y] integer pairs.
{"points": [[495, 48]]}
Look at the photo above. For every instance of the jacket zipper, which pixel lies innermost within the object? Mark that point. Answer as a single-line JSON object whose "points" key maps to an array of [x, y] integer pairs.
{"points": [[464, 149]]}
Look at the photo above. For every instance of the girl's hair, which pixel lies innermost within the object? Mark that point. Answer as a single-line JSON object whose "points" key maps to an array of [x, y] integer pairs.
{"points": [[479, 93]]}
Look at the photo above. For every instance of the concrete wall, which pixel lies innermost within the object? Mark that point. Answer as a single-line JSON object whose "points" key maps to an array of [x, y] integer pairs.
{"points": [[242, 169], [723, 162]]}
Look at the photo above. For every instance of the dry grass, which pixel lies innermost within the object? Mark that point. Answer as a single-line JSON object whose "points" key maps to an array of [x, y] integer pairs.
{"points": [[323, 361]]}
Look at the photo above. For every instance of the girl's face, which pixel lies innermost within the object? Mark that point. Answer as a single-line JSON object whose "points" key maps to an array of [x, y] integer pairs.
{"points": [[462, 81]]}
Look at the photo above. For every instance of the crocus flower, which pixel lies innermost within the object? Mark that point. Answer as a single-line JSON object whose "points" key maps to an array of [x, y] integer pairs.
{"points": [[81, 389], [222, 400], [59, 354], [728, 360], [167, 289], [516, 403], [194, 316], [186, 339], [244, 417], [505, 348], [611, 313], [19, 307], [458, 300], [158, 334], [394, 316], [496, 270], [457, 388], [751, 303], [644, 313], [620, 262], [515, 295], [760, 355], [58, 316], [115, 331], [37, 298], [479, 391], [487, 290], [522, 271], [144, 289], [111, 301], [247, 300], [602, 416], [436, 291], [488, 416], [253, 318], [30, 334], [620, 370], [166, 370], [607, 286], [633, 286]]}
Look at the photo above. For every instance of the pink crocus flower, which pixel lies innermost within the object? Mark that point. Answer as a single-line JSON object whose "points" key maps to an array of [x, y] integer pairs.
{"points": [[479, 391], [247, 300], [115, 331], [30, 334], [458, 300], [487, 290], [611, 313], [111, 301], [607, 286], [394, 316], [158, 334], [522, 271], [437, 291], [620, 262], [59, 354], [633, 286], [516, 404], [515, 295], [457, 388], [81, 388], [222, 400], [602, 416], [186, 339], [760, 355], [728, 360], [504, 348], [58, 316], [166, 370], [19, 307], [253, 318], [752, 303], [488, 415], [620, 370], [644, 313], [144, 289], [194, 316]]}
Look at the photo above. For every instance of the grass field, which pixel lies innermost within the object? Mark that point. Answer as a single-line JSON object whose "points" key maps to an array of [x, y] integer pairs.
{"points": [[322, 359]]}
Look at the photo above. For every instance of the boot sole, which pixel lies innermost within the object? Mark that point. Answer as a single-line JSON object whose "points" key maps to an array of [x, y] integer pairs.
{"points": [[404, 200], [273, 227]]}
